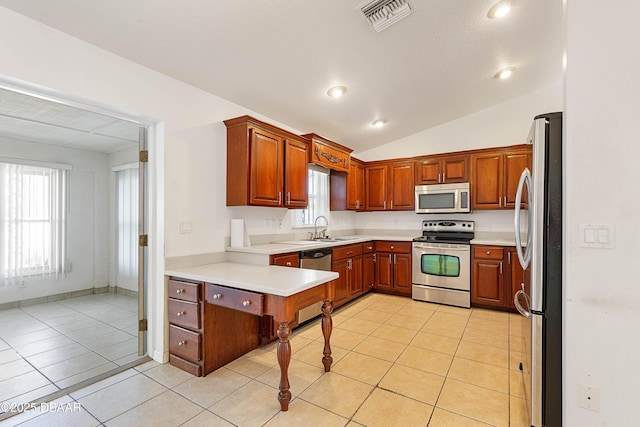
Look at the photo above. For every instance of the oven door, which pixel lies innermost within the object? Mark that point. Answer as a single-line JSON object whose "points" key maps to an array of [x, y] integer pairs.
{"points": [[443, 265]]}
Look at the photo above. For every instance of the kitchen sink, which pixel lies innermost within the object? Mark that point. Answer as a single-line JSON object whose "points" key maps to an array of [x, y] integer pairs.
{"points": [[313, 241]]}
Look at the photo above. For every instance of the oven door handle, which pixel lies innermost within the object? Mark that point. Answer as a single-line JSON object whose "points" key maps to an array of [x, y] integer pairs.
{"points": [[444, 248]]}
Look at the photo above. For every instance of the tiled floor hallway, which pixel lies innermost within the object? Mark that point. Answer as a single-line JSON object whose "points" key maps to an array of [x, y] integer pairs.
{"points": [[397, 362]]}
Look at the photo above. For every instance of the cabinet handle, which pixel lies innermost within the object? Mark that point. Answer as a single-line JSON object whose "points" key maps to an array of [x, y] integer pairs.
{"points": [[288, 197], [357, 203], [182, 343], [279, 197], [391, 205], [349, 252], [182, 313], [374, 257], [500, 267], [179, 291], [509, 257], [288, 263], [385, 205], [439, 178], [349, 264], [394, 258], [217, 296], [246, 303], [444, 177]]}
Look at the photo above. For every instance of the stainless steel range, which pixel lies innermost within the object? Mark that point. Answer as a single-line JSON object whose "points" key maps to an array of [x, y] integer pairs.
{"points": [[441, 269]]}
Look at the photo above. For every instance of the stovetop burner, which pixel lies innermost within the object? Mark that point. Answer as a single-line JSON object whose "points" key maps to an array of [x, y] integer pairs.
{"points": [[446, 231]]}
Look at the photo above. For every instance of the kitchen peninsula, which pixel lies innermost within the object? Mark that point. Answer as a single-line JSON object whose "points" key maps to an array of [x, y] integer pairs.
{"points": [[242, 290]]}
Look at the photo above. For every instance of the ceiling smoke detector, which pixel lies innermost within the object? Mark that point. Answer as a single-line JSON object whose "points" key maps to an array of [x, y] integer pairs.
{"points": [[381, 14]]}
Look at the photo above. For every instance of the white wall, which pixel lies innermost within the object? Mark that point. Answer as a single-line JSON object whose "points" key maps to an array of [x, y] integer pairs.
{"points": [[88, 232], [602, 154], [498, 126]]}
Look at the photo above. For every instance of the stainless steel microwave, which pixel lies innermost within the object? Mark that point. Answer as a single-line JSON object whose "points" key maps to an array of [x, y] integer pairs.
{"points": [[443, 198]]}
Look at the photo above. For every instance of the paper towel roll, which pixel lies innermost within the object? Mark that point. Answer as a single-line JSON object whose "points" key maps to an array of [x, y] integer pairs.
{"points": [[237, 233]]}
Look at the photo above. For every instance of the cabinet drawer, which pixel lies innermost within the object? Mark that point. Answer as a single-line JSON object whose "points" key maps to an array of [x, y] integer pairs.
{"points": [[488, 252], [248, 302], [396, 247], [184, 313], [286, 260], [348, 251], [367, 248], [185, 365], [185, 344], [184, 290]]}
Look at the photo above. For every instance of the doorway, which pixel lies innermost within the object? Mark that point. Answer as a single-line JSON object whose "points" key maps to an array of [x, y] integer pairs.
{"points": [[72, 294]]}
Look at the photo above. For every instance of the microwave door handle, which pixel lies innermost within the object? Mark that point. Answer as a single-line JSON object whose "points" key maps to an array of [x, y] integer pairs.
{"points": [[523, 257]]}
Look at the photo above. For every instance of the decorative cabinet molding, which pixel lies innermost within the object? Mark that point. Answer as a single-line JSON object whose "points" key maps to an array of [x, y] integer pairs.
{"points": [[329, 154]]}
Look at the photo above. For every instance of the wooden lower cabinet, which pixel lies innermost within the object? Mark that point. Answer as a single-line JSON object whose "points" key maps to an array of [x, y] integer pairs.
{"points": [[393, 267], [347, 262], [194, 344], [496, 277], [368, 266]]}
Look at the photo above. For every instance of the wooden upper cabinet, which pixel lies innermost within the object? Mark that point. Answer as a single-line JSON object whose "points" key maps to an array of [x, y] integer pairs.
{"points": [[266, 165], [401, 190], [376, 187], [495, 177], [442, 169], [327, 153], [355, 185], [389, 186]]}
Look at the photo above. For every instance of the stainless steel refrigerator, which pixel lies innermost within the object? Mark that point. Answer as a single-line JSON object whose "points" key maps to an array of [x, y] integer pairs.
{"points": [[540, 299]]}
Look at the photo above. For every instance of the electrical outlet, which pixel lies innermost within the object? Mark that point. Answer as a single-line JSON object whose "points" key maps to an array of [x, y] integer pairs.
{"points": [[590, 397]]}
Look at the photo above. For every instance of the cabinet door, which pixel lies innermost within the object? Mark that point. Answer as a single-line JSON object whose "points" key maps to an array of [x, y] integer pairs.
{"points": [[514, 164], [384, 270], [487, 181], [355, 276], [295, 174], [368, 271], [266, 168], [341, 290], [376, 188], [517, 276], [488, 282], [402, 273], [428, 172], [355, 186], [455, 169], [401, 188]]}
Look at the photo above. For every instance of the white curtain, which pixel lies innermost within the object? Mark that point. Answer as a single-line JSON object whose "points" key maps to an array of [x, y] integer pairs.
{"points": [[33, 220], [127, 225]]}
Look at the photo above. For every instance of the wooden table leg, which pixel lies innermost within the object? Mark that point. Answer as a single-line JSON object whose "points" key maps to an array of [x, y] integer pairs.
{"points": [[284, 357], [327, 326]]}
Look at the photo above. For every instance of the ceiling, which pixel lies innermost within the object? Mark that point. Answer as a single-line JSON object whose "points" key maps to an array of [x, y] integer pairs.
{"points": [[28, 118], [279, 58]]}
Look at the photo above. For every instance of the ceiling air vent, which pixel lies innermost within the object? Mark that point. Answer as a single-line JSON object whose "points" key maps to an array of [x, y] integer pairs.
{"points": [[380, 14]]}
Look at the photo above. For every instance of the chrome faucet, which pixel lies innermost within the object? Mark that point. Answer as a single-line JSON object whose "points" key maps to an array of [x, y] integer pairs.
{"points": [[315, 227]]}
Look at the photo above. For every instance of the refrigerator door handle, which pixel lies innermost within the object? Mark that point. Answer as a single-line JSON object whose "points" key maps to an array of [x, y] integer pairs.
{"points": [[523, 256], [516, 301]]}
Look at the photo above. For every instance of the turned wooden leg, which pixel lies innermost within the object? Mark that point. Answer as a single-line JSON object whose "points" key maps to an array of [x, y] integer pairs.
{"points": [[327, 326], [284, 357]]}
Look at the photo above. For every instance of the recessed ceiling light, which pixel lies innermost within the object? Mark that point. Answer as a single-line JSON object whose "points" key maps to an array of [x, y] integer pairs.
{"points": [[336, 91], [499, 9], [505, 73], [377, 123]]}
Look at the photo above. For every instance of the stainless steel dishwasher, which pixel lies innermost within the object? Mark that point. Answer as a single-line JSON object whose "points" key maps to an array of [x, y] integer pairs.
{"points": [[314, 259]]}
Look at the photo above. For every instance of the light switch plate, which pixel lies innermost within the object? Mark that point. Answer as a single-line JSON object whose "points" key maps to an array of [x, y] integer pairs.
{"points": [[597, 236]]}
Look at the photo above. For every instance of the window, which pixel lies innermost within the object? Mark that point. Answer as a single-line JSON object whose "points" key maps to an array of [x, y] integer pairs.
{"points": [[127, 224], [33, 215], [318, 189]]}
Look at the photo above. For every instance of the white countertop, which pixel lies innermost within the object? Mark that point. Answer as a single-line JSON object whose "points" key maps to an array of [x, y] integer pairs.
{"points": [[498, 238], [303, 245], [270, 279]]}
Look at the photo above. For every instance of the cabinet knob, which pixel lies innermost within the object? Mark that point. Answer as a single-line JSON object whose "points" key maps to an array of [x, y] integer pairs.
{"points": [[182, 343], [488, 252], [179, 291], [392, 247], [288, 263], [349, 252], [246, 303], [182, 313], [217, 296]]}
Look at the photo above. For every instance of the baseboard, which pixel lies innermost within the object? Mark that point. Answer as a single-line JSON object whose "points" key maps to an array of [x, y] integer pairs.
{"points": [[67, 295]]}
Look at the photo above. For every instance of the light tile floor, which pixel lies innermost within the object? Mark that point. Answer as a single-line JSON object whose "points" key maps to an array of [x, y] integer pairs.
{"points": [[47, 347], [397, 362]]}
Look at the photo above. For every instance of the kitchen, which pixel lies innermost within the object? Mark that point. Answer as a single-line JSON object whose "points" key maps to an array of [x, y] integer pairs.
{"points": [[189, 135]]}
